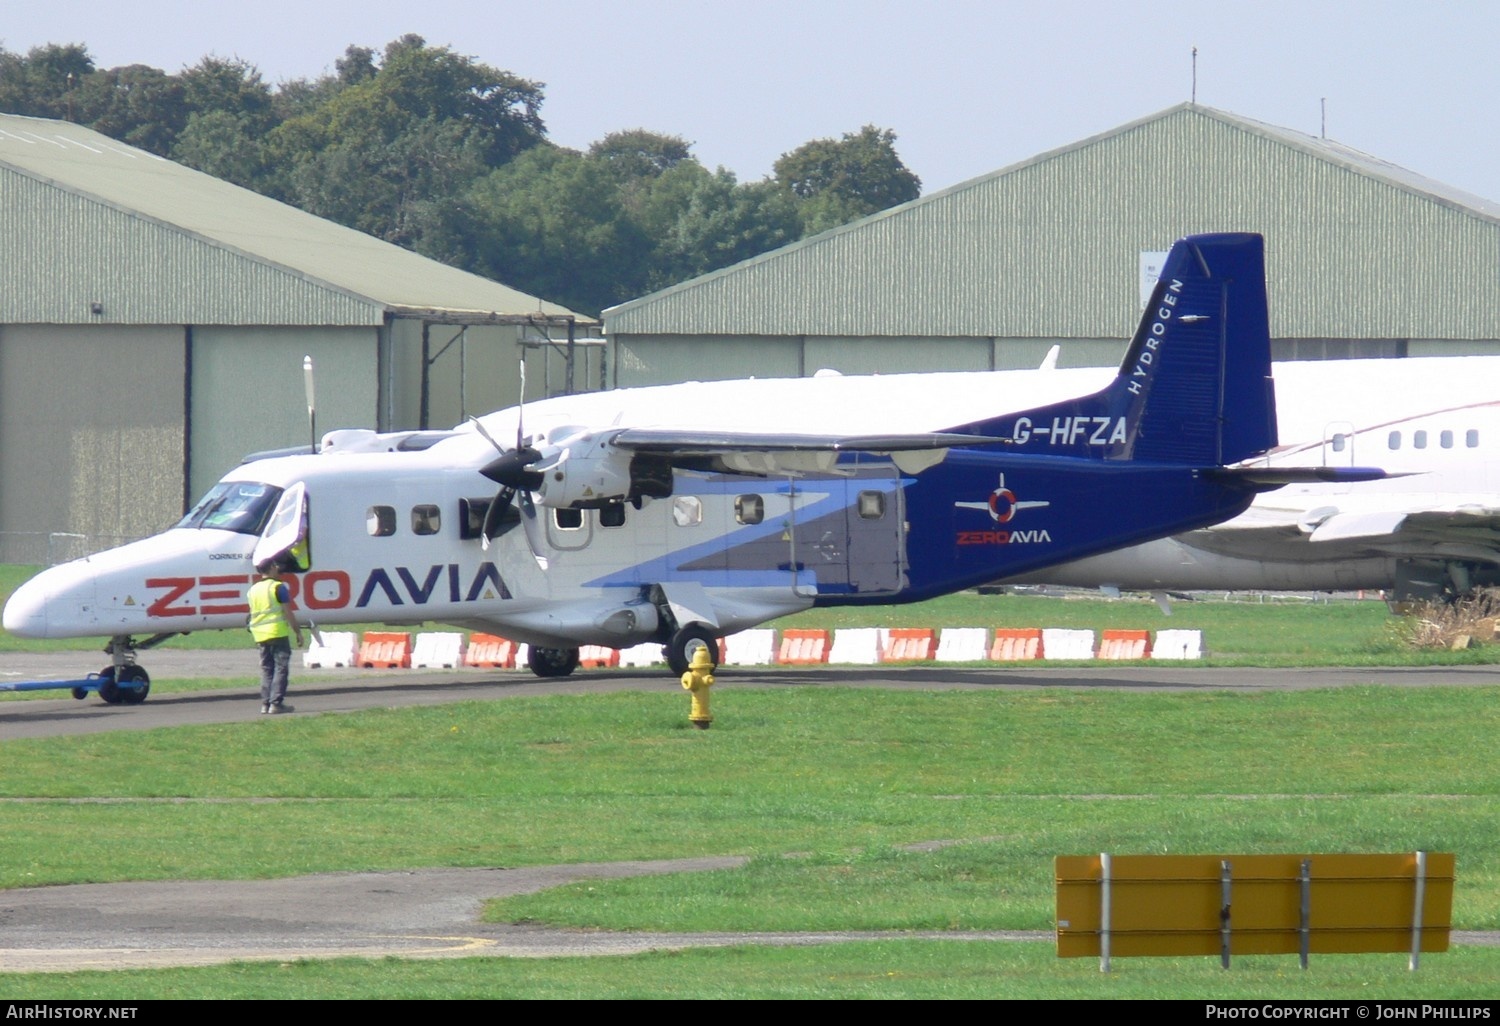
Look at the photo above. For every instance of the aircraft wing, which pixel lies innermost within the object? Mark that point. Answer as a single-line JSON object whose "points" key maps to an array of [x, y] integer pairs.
{"points": [[772, 453], [1466, 530]]}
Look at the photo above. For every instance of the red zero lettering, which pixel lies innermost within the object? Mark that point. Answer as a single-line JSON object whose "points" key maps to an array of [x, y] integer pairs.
{"points": [[207, 593], [317, 586], [176, 588]]}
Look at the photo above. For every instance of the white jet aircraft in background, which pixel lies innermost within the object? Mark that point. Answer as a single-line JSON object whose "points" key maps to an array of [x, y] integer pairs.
{"points": [[682, 513], [1429, 530]]}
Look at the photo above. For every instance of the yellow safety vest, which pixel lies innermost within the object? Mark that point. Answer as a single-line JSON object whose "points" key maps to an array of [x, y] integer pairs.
{"points": [[266, 619]]}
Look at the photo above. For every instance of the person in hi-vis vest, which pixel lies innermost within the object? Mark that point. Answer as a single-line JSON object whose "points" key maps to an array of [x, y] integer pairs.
{"points": [[271, 624]]}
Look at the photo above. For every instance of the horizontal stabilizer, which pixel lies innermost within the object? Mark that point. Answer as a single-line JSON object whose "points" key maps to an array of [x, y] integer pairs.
{"points": [[1275, 477]]}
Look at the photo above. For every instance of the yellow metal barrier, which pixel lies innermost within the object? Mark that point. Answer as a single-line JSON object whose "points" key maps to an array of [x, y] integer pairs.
{"points": [[1252, 904]]}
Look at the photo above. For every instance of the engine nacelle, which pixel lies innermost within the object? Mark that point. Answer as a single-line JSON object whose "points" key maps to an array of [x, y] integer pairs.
{"points": [[582, 471]]}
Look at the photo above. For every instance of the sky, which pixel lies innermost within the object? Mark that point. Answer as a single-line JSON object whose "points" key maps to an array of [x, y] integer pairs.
{"points": [[967, 86]]}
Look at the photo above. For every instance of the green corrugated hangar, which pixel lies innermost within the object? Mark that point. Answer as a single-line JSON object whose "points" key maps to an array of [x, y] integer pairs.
{"points": [[153, 324], [1365, 259]]}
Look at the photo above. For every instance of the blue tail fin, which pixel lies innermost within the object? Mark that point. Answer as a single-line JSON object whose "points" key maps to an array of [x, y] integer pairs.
{"points": [[1195, 387]]}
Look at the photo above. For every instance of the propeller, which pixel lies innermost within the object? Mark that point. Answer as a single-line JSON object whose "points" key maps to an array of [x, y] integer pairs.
{"points": [[307, 386], [510, 470]]}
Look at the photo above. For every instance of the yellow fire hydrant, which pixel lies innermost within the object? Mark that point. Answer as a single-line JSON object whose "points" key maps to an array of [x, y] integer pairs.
{"points": [[698, 679]]}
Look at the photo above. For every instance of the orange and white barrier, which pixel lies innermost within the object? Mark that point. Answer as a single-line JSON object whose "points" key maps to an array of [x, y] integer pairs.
{"points": [[1067, 643], [1017, 644], [385, 650], [337, 648], [962, 645], [1124, 644], [596, 657], [491, 652], [802, 646], [859, 646], [647, 653], [755, 647], [1178, 645], [438, 650], [908, 644]]}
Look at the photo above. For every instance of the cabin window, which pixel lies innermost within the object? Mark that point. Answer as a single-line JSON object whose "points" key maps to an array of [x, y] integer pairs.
{"points": [[1339, 441], [1394, 441], [380, 521], [1446, 439], [1419, 439], [871, 505], [425, 519], [687, 510], [612, 515], [568, 519], [1471, 438], [749, 509]]}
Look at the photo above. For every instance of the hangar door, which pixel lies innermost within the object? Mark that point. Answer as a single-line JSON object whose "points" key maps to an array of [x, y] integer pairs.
{"points": [[91, 437], [248, 392]]}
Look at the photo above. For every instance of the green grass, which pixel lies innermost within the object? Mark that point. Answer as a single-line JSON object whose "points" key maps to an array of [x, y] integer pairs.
{"points": [[827, 789], [847, 776], [891, 970]]}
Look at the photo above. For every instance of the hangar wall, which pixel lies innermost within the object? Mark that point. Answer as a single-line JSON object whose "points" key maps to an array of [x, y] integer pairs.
{"points": [[87, 445], [1363, 259], [248, 394]]}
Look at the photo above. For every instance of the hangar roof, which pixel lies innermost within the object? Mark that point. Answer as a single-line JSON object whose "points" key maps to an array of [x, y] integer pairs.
{"points": [[1050, 247], [94, 167]]}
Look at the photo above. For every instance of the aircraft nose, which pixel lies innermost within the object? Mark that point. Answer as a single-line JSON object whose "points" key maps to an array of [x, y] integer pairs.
{"points": [[26, 611]]}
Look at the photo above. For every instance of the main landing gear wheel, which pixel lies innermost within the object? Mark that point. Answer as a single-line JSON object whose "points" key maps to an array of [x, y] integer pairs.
{"points": [[681, 646], [552, 662], [131, 689]]}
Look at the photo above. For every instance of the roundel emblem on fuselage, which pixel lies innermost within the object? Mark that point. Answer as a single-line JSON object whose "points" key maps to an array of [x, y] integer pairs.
{"points": [[1002, 505]]}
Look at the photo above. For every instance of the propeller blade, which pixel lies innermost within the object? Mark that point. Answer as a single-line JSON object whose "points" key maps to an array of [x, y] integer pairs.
{"points": [[521, 404], [312, 406], [479, 426], [493, 516]]}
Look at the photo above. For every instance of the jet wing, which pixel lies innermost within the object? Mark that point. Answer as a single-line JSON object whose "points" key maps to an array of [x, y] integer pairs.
{"points": [[1468, 530], [769, 453]]}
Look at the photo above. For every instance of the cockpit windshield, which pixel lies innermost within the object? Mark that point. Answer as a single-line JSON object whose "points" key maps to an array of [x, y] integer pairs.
{"points": [[241, 506]]}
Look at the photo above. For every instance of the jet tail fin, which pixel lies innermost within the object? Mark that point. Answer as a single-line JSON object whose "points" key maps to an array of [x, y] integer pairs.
{"points": [[1195, 386]]}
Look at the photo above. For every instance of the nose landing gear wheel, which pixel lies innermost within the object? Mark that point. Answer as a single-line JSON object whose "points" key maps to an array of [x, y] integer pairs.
{"points": [[131, 689], [552, 662]]}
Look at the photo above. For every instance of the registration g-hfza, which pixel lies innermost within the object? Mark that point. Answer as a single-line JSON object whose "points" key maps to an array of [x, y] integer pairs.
{"points": [[681, 513]]}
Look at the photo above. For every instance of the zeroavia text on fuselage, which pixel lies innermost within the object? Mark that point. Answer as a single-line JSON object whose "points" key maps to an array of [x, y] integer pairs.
{"points": [[681, 513]]}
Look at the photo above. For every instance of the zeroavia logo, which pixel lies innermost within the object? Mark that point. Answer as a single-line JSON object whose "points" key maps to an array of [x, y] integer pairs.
{"points": [[1003, 537], [1002, 506], [327, 589]]}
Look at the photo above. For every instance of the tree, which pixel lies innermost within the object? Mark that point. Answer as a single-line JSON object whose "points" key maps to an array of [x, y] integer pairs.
{"points": [[136, 104], [841, 181], [384, 187], [38, 84], [229, 85], [551, 223], [223, 144], [382, 148], [700, 221], [637, 153]]}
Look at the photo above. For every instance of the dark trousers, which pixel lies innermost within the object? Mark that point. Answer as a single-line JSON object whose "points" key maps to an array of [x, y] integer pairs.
{"points": [[275, 660]]}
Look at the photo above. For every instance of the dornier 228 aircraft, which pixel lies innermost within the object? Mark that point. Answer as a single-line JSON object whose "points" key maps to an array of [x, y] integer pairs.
{"points": [[682, 513]]}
